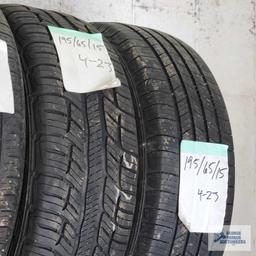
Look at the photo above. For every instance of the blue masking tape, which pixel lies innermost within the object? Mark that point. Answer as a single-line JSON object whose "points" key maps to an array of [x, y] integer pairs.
{"points": [[203, 148]]}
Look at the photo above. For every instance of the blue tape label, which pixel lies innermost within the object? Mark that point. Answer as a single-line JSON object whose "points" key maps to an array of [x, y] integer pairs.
{"points": [[6, 95], [84, 61], [203, 185]]}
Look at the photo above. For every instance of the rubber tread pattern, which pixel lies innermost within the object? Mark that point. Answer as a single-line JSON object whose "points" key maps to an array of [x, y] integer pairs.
{"points": [[12, 145], [179, 99], [83, 170]]}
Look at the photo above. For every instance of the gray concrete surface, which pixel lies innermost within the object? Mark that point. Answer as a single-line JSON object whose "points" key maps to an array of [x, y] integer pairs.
{"points": [[224, 33]]}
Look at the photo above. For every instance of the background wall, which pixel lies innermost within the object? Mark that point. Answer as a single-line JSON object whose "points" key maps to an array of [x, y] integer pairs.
{"points": [[224, 33]]}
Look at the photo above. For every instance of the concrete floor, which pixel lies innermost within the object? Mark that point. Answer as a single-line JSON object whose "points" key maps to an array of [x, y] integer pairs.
{"points": [[224, 34]]}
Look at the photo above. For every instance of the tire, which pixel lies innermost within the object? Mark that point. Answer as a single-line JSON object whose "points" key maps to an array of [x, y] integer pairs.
{"points": [[12, 146], [178, 98], [81, 188]]}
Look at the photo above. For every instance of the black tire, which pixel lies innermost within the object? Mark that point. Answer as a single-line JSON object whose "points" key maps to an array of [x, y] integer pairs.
{"points": [[178, 98], [12, 145], [80, 194]]}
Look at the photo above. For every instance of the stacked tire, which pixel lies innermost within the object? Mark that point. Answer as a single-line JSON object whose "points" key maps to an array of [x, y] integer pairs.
{"points": [[98, 173]]}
